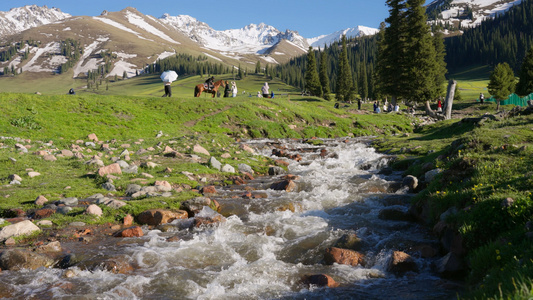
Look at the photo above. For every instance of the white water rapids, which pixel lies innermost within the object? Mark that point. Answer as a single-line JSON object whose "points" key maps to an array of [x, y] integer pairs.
{"points": [[262, 251]]}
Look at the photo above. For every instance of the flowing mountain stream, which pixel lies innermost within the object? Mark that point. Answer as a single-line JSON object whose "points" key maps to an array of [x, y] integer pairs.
{"points": [[269, 241]]}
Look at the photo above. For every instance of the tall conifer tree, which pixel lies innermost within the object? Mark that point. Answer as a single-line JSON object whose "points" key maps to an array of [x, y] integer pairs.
{"points": [[422, 67], [525, 83], [502, 83], [392, 51], [363, 82], [323, 74], [344, 88], [312, 82], [440, 53]]}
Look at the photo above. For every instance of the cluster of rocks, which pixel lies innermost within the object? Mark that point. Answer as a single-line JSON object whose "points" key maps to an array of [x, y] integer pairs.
{"points": [[93, 152], [347, 251], [195, 213]]}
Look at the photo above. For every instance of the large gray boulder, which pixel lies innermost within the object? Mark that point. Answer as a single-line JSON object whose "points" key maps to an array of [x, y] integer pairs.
{"points": [[244, 168], [18, 259], [70, 201], [214, 163], [430, 175], [194, 206], [18, 229]]}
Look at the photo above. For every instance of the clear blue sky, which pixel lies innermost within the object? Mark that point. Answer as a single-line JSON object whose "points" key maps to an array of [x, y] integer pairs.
{"points": [[310, 18]]}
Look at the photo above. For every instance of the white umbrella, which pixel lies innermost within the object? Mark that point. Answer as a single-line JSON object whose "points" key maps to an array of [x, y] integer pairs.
{"points": [[169, 76]]}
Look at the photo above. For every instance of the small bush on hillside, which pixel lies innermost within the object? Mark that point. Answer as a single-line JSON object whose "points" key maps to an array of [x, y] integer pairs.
{"points": [[26, 122]]}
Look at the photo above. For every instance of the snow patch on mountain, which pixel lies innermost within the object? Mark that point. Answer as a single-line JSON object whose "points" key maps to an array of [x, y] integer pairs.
{"points": [[247, 40], [120, 26], [481, 10], [140, 22], [22, 18], [92, 64], [50, 64], [320, 41]]}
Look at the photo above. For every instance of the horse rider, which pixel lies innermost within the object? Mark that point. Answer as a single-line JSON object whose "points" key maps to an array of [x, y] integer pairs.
{"points": [[210, 82]]}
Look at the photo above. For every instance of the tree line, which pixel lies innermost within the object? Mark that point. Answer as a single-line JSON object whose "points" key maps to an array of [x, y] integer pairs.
{"points": [[360, 54], [404, 61], [188, 65], [9, 51], [506, 38], [72, 51]]}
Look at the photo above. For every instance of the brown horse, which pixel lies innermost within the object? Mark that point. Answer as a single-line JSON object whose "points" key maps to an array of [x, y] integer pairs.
{"points": [[201, 88]]}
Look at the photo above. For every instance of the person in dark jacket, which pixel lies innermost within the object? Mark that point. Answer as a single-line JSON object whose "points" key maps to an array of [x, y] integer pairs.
{"points": [[227, 90], [168, 89], [210, 82]]}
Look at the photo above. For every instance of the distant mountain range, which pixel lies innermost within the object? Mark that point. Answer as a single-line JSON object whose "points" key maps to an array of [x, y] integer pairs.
{"points": [[127, 32], [136, 40]]}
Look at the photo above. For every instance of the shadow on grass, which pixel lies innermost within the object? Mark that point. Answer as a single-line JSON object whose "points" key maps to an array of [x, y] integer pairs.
{"points": [[446, 131], [307, 100], [481, 72]]}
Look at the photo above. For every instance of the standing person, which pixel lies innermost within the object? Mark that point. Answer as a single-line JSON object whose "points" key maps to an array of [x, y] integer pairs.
{"points": [[481, 98], [439, 106], [227, 90], [359, 104], [375, 106], [168, 89], [234, 89], [264, 90]]}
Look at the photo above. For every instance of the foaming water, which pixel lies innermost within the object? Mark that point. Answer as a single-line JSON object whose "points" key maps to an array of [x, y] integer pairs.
{"points": [[267, 245]]}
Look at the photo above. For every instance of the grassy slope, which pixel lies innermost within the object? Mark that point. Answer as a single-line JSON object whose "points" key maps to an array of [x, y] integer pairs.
{"points": [[482, 166], [472, 82], [136, 120]]}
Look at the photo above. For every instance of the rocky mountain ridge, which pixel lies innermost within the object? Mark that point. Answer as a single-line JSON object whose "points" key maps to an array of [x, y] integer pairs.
{"points": [[21, 18]]}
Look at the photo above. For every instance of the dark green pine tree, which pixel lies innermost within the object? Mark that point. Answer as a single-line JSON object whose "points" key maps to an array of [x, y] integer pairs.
{"points": [[323, 75], [440, 72], [240, 74], [258, 67], [344, 89], [422, 66], [312, 82], [392, 52], [501, 83], [525, 83], [363, 82]]}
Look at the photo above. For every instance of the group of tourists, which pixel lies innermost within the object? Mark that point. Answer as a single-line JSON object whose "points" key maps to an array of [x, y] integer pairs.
{"points": [[230, 90], [264, 92], [387, 107]]}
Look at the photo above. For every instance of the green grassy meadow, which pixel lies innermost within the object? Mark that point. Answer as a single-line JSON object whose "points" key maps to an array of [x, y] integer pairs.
{"points": [[55, 122]]}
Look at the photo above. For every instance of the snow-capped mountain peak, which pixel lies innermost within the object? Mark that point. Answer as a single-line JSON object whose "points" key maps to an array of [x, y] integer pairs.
{"points": [[253, 38], [22, 18], [358, 31]]}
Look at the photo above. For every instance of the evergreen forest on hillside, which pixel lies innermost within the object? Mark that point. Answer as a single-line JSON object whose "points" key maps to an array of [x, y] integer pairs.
{"points": [[503, 39], [506, 38]]}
